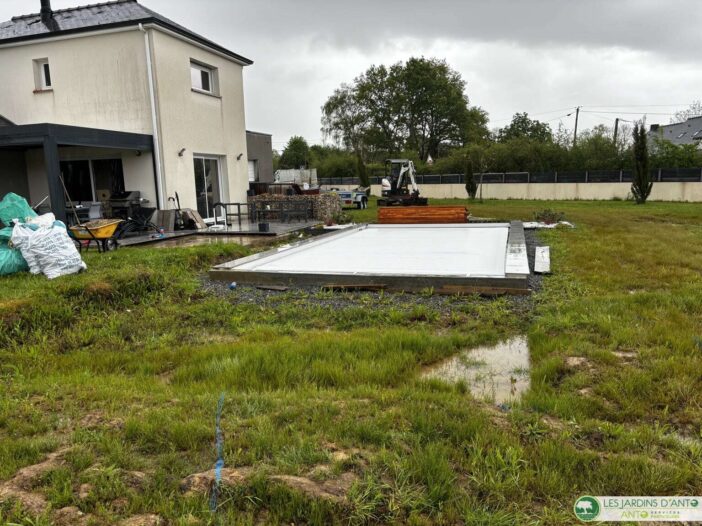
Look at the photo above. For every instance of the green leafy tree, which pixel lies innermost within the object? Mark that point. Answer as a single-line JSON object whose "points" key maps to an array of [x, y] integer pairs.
{"points": [[419, 105], [296, 154], [596, 150], [666, 154], [476, 128], [436, 105], [522, 127], [563, 136], [642, 184], [332, 161], [345, 119], [380, 92]]}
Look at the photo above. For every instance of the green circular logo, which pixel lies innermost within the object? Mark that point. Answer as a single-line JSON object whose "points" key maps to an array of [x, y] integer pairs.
{"points": [[587, 508]]}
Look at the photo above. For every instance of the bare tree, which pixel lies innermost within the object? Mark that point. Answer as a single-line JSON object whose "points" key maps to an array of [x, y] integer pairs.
{"points": [[694, 110]]}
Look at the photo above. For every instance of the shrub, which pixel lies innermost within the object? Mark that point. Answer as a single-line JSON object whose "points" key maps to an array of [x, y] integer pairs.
{"points": [[471, 185], [549, 216], [642, 185]]}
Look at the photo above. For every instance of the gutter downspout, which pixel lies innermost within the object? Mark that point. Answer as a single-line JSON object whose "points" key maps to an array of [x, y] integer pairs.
{"points": [[160, 198]]}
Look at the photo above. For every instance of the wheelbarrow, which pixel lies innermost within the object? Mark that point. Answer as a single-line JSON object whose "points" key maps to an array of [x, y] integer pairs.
{"points": [[102, 231]]}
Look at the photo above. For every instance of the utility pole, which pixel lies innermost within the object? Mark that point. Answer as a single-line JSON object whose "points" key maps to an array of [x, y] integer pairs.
{"points": [[575, 133], [616, 129]]}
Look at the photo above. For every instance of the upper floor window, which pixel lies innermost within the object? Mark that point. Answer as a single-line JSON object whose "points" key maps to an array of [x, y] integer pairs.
{"points": [[42, 74], [203, 78]]}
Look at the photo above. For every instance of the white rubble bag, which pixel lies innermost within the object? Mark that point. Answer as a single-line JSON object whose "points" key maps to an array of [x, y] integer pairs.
{"points": [[47, 219], [47, 249]]}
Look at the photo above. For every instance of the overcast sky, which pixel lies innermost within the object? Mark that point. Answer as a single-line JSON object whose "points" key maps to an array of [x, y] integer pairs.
{"points": [[613, 57]]}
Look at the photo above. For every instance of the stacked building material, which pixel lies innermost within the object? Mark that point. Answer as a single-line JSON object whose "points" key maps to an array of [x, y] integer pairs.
{"points": [[404, 215], [324, 207]]}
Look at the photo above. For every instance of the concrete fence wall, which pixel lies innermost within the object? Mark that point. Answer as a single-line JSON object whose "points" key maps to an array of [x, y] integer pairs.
{"points": [[665, 191]]}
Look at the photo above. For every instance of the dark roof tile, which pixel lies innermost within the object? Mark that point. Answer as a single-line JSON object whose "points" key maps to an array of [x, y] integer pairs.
{"points": [[94, 17]]}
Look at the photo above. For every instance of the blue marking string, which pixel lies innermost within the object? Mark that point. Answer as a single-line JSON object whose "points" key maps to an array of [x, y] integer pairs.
{"points": [[219, 441]]}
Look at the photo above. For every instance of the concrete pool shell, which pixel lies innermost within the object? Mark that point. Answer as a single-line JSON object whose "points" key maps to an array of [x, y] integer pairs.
{"points": [[452, 258]]}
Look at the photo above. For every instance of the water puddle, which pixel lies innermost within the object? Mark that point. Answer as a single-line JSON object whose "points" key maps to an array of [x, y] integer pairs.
{"points": [[195, 240], [498, 374]]}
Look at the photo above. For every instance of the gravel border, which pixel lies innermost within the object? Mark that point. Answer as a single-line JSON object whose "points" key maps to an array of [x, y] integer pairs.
{"points": [[315, 296]]}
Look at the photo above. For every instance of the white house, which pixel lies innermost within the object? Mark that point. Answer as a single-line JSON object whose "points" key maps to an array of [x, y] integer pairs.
{"points": [[116, 97]]}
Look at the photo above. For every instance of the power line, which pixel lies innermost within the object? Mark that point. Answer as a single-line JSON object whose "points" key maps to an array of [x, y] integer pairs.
{"points": [[604, 106], [598, 115], [561, 117], [533, 114], [635, 105], [629, 112]]}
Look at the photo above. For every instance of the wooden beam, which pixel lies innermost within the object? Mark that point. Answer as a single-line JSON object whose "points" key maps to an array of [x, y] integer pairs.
{"points": [[404, 215], [397, 283]]}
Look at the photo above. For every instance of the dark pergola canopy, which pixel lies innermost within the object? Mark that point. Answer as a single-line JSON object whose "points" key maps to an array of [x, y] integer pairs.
{"points": [[51, 136]]}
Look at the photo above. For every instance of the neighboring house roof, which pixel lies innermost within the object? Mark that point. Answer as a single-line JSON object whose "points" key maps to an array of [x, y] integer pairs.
{"points": [[94, 17], [4, 121], [688, 132], [259, 133]]}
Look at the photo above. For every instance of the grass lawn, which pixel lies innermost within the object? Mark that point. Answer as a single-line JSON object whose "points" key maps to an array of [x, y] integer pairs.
{"points": [[119, 370]]}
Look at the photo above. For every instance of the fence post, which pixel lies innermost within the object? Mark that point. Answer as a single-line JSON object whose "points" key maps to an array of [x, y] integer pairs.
{"points": [[555, 176], [586, 176], [504, 177], [700, 175], [621, 176], [659, 175], [528, 177]]}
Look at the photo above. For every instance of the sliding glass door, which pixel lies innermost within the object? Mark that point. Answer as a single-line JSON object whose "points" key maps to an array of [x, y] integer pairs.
{"points": [[207, 186], [93, 179]]}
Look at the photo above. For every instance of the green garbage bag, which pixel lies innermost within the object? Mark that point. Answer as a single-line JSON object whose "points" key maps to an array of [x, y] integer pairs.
{"points": [[11, 260], [14, 206]]}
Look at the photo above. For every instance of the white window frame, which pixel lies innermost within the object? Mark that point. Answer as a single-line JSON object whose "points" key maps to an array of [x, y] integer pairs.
{"points": [[212, 73], [218, 159], [255, 171], [40, 65]]}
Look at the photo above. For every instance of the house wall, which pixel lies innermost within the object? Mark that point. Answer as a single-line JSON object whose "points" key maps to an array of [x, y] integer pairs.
{"points": [[259, 147], [101, 81], [200, 123], [138, 170], [678, 191], [13, 174], [98, 81]]}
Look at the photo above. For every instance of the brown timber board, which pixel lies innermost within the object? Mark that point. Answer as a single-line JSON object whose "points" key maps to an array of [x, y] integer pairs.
{"points": [[422, 215]]}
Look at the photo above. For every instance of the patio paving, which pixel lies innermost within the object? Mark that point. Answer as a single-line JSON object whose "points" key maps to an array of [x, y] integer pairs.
{"points": [[244, 234]]}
